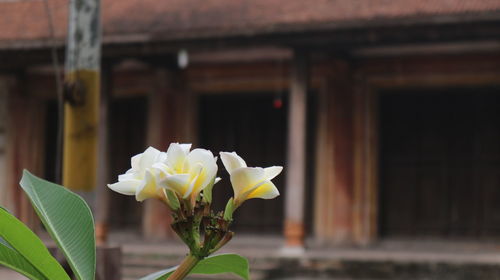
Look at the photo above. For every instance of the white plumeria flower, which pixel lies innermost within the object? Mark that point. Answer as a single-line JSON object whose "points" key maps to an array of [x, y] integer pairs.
{"points": [[250, 182], [140, 180], [187, 173]]}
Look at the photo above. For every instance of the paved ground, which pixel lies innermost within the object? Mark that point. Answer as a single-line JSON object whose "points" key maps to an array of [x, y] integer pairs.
{"points": [[393, 250], [141, 257]]}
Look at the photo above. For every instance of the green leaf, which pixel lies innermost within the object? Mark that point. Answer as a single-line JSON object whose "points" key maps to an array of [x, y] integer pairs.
{"points": [[228, 212], [207, 191], [68, 220], [13, 260], [225, 263], [5, 243], [162, 274], [25, 251], [173, 201], [222, 264]]}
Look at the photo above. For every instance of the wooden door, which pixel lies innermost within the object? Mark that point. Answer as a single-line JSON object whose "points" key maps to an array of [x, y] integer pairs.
{"points": [[440, 163], [256, 130]]}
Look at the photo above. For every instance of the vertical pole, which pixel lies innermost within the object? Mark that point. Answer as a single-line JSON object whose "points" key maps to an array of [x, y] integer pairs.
{"points": [[81, 109], [156, 220], [3, 142], [334, 196], [296, 154], [102, 193]]}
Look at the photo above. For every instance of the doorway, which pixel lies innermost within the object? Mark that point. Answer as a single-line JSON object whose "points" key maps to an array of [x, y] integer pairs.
{"points": [[254, 127], [440, 163], [127, 131]]}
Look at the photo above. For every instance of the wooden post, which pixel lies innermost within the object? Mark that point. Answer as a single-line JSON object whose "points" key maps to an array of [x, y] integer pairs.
{"points": [[334, 186], [156, 216], [102, 192], [296, 154], [81, 109], [3, 141], [364, 157]]}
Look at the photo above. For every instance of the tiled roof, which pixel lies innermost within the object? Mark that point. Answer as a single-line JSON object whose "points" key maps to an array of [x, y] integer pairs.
{"points": [[25, 21]]}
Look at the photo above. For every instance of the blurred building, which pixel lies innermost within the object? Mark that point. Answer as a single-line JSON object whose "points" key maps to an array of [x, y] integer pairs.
{"points": [[386, 114]]}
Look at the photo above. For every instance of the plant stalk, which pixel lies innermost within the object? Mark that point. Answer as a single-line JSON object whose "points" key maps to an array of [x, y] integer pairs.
{"points": [[184, 268]]}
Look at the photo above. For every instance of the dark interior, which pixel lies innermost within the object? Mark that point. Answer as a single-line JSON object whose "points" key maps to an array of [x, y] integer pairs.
{"points": [[440, 163]]}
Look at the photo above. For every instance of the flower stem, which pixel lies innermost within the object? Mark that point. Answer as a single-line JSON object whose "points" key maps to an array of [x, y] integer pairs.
{"points": [[184, 268]]}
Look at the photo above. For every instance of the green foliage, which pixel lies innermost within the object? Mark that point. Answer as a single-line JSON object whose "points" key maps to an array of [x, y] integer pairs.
{"points": [[225, 263], [68, 220], [162, 274], [13, 260], [228, 212], [173, 201], [207, 192], [24, 252]]}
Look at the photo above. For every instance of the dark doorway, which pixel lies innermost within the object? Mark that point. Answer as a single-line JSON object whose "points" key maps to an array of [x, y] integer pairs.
{"points": [[127, 137], [254, 127], [51, 131], [440, 163]]}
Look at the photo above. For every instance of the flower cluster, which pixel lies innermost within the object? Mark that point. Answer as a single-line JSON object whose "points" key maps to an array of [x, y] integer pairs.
{"points": [[184, 178]]}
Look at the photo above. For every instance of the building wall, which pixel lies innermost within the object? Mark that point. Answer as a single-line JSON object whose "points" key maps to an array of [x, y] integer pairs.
{"points": [[345, 202]]}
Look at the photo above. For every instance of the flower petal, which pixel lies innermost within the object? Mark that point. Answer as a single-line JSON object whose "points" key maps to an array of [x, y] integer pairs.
{"points": [[194, 185], [232, 161], [148, 158], [273, 171], [267, 190], [245, 178], [161, 157], [217, 179], [178, 183], [135, 162], [125, 187], [206, 159], [162, 169], [127, 176], [148, 188], [185, 148], [176, 154]]}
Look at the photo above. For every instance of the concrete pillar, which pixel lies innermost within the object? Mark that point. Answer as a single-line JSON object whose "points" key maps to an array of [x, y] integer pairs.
{"points": [[296, 154]]}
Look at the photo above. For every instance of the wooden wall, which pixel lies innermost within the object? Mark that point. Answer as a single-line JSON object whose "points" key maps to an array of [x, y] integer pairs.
{"points": [[25, 145]]}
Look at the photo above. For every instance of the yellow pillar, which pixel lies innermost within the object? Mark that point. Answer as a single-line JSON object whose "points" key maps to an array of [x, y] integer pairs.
{"points": [[81, 95], [81, 119]]}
